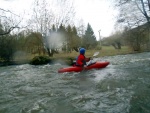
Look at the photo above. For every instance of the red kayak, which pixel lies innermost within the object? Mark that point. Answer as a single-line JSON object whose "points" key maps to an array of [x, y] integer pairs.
{"points": [[96, 65]]}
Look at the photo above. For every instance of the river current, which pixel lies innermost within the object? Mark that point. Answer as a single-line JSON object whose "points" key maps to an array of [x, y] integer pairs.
{"points": [[121, 87]]}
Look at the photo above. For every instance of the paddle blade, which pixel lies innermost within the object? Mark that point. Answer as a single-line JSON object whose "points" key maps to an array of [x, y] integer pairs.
{"points": [[95, 54]]}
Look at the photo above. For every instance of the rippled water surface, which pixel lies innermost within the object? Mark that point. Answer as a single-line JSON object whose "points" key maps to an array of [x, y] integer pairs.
{"points": [[122, 87]]}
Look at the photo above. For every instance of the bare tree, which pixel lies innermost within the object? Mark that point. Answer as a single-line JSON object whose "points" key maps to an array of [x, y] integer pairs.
{"points": [[8, 21], [134, 13], [45, 15], [52, 12]]}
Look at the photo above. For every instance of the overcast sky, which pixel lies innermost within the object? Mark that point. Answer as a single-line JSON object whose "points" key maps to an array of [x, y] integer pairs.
{"points": [[98, 13]]}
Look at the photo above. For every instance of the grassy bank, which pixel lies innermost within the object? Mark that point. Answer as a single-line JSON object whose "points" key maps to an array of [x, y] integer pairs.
{"points": [[105, 51], [36, 59]]}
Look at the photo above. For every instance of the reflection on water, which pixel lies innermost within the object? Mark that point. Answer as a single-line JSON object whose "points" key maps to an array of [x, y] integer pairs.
{"points": [[122, 87]]}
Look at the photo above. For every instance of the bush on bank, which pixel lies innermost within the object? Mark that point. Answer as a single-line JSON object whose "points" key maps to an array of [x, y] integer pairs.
{"points": [[39, 60]]}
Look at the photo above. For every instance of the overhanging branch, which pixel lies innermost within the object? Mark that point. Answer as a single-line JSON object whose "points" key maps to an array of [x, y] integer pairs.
{"points": [[7, 32], [8, 11]]}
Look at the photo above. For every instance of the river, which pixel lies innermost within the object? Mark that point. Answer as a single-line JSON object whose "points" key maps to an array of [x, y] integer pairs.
{"points": [[122, 87]]}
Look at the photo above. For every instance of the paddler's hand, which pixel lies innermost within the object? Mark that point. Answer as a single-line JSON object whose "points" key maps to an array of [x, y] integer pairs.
{"points": [[84, 66]]}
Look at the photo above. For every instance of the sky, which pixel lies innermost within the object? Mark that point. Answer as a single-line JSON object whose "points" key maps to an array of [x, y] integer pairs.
{"points": [[98, 13]]}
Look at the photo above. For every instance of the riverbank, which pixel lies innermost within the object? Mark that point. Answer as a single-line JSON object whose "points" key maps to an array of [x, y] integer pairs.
{"points": [[105, 51], [68, 57]]}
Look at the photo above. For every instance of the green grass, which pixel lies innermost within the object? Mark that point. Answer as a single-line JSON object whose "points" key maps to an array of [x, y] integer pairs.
{"points": [[111, 51], [105, 51]]}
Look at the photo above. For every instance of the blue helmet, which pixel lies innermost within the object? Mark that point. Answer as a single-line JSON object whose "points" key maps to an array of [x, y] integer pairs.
{"points": [[82, 51]]}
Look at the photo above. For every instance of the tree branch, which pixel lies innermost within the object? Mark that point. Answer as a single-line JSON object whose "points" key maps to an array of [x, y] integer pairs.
{"points": [[121, 2], [144, 11], [7, 32], [8, 11], [149, 4]]}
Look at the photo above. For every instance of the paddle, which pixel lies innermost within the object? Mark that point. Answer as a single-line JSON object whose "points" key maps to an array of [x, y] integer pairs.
{"points": [[95, 54]]}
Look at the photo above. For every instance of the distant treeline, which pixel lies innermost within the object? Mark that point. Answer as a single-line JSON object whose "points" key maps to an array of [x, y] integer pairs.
{"points": [[137, 38], [66, 39]]}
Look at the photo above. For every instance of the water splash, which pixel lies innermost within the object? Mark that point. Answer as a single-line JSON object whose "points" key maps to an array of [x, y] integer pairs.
{"points": [[53, 40]]}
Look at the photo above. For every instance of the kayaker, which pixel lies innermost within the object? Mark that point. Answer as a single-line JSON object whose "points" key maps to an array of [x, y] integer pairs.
{"points": [[81, 59]]}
